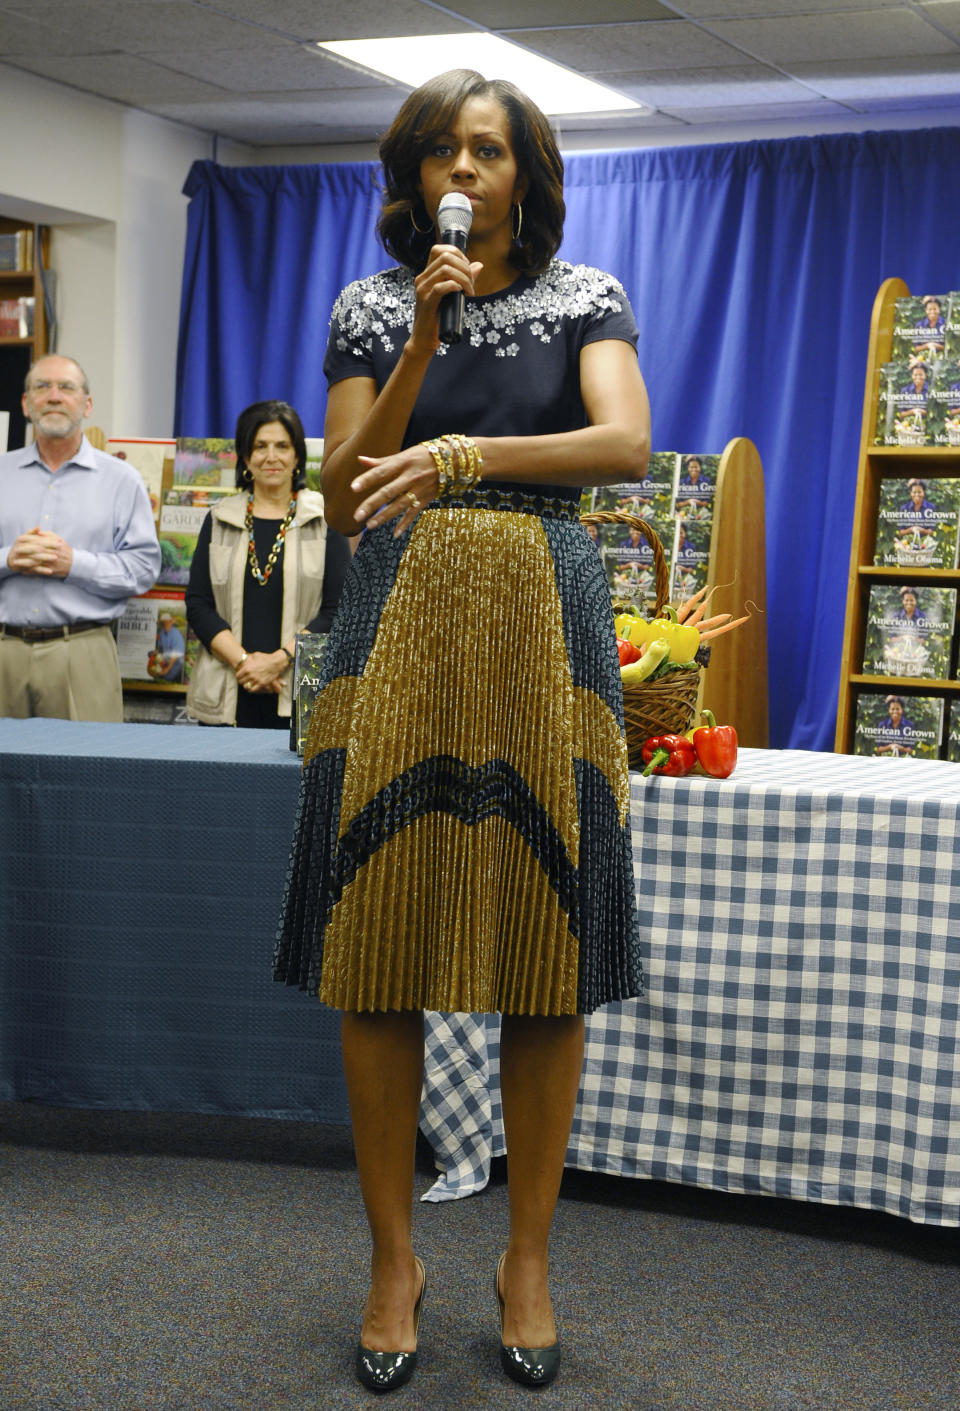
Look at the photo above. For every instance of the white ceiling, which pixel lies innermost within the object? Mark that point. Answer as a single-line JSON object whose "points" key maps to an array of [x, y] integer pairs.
{"points": [[245, 69]]}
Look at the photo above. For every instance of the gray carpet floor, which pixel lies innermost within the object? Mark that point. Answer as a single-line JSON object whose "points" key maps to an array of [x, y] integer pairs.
{"points": [[203, 1263]]}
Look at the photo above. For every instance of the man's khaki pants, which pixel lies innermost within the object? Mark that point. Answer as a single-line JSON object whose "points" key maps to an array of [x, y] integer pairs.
{"points": [[71, 678]]}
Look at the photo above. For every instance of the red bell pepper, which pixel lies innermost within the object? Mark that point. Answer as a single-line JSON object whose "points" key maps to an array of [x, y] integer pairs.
{"points": [[627, 652], [673, 755], [716, 747]]}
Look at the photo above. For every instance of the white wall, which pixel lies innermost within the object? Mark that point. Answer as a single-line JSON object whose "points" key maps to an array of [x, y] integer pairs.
{"points": [[107, 180]]}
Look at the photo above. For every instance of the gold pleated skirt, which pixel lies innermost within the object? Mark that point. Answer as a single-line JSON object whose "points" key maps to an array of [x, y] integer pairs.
{"points": [[462, 840]]}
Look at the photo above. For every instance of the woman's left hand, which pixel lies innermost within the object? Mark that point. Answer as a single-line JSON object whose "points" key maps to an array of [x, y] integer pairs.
{"points": [[261, 671], [395, 487]]}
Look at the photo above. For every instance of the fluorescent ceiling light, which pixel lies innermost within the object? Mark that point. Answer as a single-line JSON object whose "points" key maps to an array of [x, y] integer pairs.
{"points": [[412, 59]]}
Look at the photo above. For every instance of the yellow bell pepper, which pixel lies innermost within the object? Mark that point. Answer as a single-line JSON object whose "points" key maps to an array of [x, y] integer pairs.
{"points": [[683, 641]]}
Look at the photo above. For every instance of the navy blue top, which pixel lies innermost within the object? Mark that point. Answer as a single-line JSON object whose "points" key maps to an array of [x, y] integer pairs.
{"points": [[516, 371]]}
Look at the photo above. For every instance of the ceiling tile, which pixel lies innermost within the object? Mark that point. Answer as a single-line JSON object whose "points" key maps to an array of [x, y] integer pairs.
{"points": [[104, 26], [283, 67], [20, 34], [852, 81], [344, 19], [124, 77], [347, 117], [735, 9], [775, 112], [670, 44], [907, 103], [943, 13], [878, 34], [511, 14], [675, 88]]}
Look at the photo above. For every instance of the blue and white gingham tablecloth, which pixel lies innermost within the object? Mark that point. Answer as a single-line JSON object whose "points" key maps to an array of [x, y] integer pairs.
{"points": [[800, 1033]]}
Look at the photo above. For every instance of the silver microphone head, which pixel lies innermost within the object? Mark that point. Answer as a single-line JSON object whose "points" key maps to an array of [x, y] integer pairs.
{"points": [[455, 212]]}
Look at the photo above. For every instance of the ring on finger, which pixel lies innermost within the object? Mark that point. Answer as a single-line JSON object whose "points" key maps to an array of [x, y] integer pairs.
{"points": [[413, 499]]}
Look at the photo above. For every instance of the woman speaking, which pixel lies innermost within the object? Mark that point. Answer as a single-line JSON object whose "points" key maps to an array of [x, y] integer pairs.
{"points": [[462, 839]]}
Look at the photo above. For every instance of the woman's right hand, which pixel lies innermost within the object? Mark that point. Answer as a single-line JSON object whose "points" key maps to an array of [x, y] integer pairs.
{"points": [[395, 487], [447, 270], [262, 672]]}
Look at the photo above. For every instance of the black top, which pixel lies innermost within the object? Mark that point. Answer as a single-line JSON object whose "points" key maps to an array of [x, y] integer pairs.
{"points": [[517, 370]]}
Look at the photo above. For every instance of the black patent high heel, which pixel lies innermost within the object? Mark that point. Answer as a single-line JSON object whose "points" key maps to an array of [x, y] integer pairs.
{"points": [[385, 1371], [530, 1366]]}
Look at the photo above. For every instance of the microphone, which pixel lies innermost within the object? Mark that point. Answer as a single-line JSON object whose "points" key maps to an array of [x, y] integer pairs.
{"points": [[454, 219]]}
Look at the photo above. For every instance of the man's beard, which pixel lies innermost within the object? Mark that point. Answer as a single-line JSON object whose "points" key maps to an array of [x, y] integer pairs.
{"points": [[63, 425]]}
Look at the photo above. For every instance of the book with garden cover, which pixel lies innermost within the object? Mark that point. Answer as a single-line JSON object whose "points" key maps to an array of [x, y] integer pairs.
{"points": [[690, 558], [903, 403], [183, 511], [695, 486], [951, 341], [153, 640], [920, 327], [909, 631], [952, 736], [917, 523], [153, 457], [628, 563], [897, 727], [650, 498], [307, 661], [627, 555], [943, 415], [205, 460]]}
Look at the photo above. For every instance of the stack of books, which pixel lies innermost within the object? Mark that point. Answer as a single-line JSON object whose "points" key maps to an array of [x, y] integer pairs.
{"points": [[676, 499], [16, 317], [919, 396], [16, 249], [910, 635]]}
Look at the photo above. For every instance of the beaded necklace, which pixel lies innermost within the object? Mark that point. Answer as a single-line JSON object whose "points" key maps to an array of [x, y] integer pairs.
{"points": [[263, 577]]}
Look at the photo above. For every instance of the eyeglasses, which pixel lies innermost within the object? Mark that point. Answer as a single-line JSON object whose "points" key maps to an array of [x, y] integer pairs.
{"points": [[43, 384]]}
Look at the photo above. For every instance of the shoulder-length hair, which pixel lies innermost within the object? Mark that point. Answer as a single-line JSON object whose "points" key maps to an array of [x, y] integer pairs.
{"points": [[249, 423], [429, 111]]}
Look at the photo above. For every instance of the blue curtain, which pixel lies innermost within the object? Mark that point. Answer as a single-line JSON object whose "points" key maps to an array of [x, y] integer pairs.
{"points": [[752, 268]]}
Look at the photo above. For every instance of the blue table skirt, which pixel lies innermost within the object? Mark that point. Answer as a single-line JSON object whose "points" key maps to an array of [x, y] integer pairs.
{"points": [[141, 868]]}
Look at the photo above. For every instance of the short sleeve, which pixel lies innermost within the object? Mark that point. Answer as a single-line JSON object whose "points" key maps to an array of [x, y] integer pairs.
{"points": [[350, 341], [369, 325], [610, 315]]}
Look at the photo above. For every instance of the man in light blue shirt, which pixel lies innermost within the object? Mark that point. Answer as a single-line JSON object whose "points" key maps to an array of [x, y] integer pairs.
{"points": [[77, 539]]}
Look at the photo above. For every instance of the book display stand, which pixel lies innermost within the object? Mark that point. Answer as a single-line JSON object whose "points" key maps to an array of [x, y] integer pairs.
{"points": [[878, 464], [735, 684]]}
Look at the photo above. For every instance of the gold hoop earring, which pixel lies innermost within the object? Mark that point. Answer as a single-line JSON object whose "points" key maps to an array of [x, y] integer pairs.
{"points": [[416, 227], [516, 233]]}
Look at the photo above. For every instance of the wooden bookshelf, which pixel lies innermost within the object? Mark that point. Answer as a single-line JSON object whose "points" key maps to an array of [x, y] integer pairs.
{"points": [[876, 463], [735, 684]]}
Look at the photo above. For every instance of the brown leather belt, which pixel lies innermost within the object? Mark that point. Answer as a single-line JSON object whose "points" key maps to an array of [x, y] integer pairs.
{"points": [[49, 634]]}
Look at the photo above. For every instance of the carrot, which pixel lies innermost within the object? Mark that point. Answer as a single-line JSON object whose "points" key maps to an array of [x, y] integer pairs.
{"points": [[727, 627], [715, 621], [685, 609], [697, 614]]}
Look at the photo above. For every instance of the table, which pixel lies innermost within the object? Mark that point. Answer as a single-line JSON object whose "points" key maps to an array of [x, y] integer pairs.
{"points": [[141, 868], [800, 1032], [800, 1035]]}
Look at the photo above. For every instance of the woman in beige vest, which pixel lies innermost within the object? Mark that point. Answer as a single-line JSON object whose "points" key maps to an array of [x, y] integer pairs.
{"points": [[266, 567]]}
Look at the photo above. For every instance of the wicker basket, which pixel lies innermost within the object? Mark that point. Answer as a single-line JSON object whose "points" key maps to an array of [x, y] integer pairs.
{"points": [[667, 704]]}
